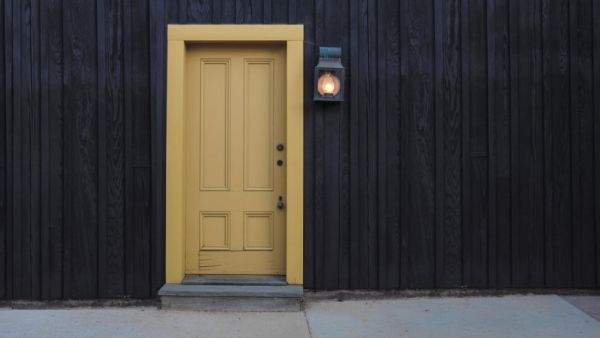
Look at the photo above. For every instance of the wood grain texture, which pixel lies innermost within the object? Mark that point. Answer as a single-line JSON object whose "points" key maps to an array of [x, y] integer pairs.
{"points": [[498, 78], [465, 154], [3, 132], [527, 181], [309, 146], [390, 160], [582, 147], [52, 151], [475, 145], [449, 152], [8, 127], [596, 109], [557, 138], [418, 95], [158, 18], [81, 135], [111, 155]]}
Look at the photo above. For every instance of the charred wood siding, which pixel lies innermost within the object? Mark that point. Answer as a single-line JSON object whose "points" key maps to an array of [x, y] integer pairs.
{"points": [[467, 152]]}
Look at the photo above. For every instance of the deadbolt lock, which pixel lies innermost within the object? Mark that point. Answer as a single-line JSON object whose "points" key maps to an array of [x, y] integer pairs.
{"points": [[280, 147]]}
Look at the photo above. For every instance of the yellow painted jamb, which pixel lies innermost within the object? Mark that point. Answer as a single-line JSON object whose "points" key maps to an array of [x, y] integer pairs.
{"points": [[175, 204], [295, 164], [175, 193], [193, 33]]}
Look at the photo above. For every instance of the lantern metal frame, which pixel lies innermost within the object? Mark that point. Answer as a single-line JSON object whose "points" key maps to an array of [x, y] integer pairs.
{"points": [[330, 61]]}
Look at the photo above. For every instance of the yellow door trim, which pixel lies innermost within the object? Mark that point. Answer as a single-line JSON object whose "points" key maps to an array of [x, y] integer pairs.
{"points": [[178, 36]]}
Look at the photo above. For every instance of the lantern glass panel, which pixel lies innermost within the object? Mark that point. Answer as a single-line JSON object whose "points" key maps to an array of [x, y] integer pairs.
{"points": [[328, 84]]}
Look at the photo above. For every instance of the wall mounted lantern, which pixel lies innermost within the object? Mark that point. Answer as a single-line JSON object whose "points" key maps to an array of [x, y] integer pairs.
{"points": [[329, 75]]}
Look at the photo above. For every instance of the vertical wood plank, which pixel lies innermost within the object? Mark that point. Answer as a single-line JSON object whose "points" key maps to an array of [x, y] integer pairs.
{"points": [[448, 143], [475, 208], [44, 155], [319, 162], [309, 148], [389, 46], [557, 143], [499, 143], [9, 97], [101, 13], [52, 151], [4, 131], [371, 106], [527, 182], [34, 151], [419, 97], [330, 33], [596, 108], [137, 149], [582, 139], [356, 268], [381, 147], [21, 226], [158, 21], [67, 235], [404, 146], [81, 106], [110, 138], [344, 159], [365, 168]]}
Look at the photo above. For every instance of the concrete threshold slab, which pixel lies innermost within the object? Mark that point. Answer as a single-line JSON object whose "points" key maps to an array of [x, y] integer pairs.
{"points": [[253, 291], [227, 298], [233, 280]]}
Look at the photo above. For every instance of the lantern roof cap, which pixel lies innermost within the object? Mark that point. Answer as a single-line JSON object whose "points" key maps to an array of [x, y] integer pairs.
{"points": [[330, 52], [331, 64]]}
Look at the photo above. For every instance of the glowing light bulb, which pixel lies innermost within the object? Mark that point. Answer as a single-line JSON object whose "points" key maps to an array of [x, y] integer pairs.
{"points": [[328, 84]]}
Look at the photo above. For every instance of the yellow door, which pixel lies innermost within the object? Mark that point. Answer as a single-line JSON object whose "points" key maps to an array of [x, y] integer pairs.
{"points": [[235, 166]]}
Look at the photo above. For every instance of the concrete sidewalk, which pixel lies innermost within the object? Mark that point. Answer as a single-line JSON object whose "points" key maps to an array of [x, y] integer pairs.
{"points": [[509, 316]]}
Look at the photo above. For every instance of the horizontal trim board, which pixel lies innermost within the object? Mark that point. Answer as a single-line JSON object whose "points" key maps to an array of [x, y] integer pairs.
{"points": [[191, 33]]}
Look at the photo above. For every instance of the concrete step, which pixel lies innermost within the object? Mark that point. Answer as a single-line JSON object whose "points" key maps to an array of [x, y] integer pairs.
{"points": [[233, 280], [231, 297]]}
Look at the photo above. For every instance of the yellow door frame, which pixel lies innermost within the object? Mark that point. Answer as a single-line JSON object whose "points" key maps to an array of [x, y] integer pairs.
{"points": [[178, 35]]}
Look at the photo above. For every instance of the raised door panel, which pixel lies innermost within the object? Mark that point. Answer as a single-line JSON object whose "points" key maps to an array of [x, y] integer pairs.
{"points": [[258, 125], [214, 230], [258, 230], [215, 124]]}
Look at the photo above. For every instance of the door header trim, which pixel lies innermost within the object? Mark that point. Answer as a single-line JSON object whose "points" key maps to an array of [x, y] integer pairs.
{"points": [[193, 33]]}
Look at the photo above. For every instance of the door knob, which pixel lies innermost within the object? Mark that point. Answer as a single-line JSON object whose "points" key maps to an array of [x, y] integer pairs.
{"points": [[280, 203]]}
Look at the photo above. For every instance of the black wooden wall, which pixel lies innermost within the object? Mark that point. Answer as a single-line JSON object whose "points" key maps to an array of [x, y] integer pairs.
{"points": [[467, 152]]}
